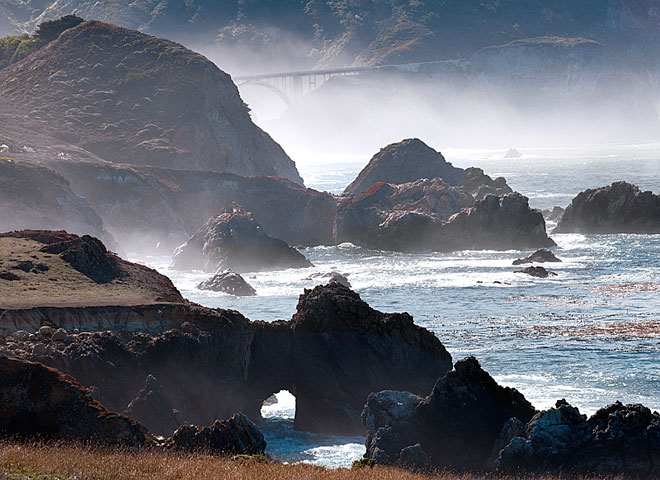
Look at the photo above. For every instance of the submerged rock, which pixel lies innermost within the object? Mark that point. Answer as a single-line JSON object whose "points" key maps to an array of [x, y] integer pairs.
{"points": [[404, 162], [454, 427], [540, 256], [539, 272], [617, 208], [237, 435], [228, 282], [234, 240], [617, 440], [40, 402]]}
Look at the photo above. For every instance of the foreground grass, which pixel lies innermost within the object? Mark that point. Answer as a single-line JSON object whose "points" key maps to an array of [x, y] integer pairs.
{"points": [[68, 462]]}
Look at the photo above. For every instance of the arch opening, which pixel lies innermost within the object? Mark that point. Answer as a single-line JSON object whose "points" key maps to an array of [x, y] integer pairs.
{"points": [[281, 404]]}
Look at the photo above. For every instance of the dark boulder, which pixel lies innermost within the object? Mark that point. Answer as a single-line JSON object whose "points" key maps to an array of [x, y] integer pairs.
{"points": [[237, 435], [456, 426], [403, 162], [234, 240], [539, 272], [228, 282], [40, 402], [617, 440], [540, 256], [617, 208], [153, 407]]}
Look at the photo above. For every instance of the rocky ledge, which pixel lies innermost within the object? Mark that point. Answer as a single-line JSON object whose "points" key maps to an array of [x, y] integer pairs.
{"points": [[234, 240], [210, 363], [617, 208]]}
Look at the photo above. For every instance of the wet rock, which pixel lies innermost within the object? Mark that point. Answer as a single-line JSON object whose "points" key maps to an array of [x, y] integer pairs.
{"points": [[40, 402], [228, 282], [540, 256], [331, 277], [455, 426], [153, 408], [234, 240], [237, 435], [617, 208], [538, 272], [403, 162], [617, 440]]}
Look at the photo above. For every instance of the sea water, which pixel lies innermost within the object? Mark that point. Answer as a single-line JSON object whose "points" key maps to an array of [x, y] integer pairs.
{"points": [[590, 335]]}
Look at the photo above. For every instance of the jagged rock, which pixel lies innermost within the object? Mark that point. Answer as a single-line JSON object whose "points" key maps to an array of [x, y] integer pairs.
{"points": [[404, 162], [553, 215], [617, 440], [539, 272], [540, 256], [40, 402], [228, 282], [213, 363], [234, 240], [497, 223], [272, 400], [479, 185], [617, 208], [455, 426], [237, 435], [153, 408]]}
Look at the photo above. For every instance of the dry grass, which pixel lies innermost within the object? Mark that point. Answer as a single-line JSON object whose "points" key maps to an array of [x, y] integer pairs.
{"points": [[68, 462]]}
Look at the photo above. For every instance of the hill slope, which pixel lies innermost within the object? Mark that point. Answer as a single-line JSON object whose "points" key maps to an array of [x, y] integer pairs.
{"points": [[132, 98]]}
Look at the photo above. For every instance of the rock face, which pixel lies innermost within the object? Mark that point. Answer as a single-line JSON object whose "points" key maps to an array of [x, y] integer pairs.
{"points": [[540, 256], [497, 223], [234, 240], [237, 435], [228, 282], [153, 407], [405, 162], [132, 98], [617, 440], [37, 401], [618, 208], [539, 272], [38, 198], [455, 427], [213, 363], [479, 185]]}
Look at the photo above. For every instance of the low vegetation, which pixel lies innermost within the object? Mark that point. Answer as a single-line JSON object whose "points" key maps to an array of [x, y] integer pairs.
{"points": [[67, 462]]}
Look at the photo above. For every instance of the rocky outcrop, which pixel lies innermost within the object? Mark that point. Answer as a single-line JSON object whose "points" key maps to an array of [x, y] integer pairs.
{"points": [[479, 185], [38, 198], [135, 99], [540, 256], [37, 401], [498, 223], [234, 240], [331, 277], [237, 435], [404, 162], [60, 268], [455, 427], [153, 407], [228, 282], [618, 208], [213, 363], [617, 440], [538, 272]]}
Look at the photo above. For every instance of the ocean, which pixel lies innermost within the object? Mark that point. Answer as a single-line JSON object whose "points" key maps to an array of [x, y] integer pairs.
{"points": [[590, 335]]}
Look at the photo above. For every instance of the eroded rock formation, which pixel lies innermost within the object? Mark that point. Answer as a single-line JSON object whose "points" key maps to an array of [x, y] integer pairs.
{"points": [[617, 208], [234, 240], [212, 363]]}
